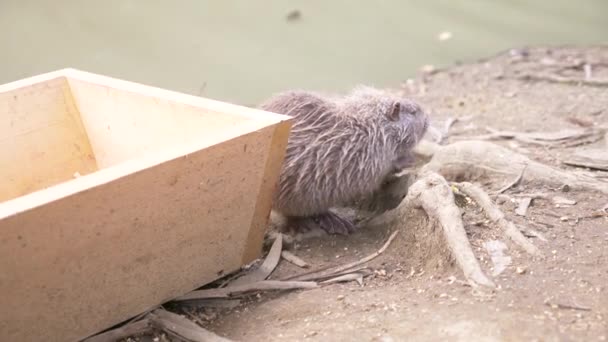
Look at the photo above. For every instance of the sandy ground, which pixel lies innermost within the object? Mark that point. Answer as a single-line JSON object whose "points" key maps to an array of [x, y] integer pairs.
{"points": [[415, 296]]}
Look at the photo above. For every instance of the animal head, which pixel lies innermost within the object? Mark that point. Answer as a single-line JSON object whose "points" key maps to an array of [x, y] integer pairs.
{"points": [[404, 120], [409, 121]]}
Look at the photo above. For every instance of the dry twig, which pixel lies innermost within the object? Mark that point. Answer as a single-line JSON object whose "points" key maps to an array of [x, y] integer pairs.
{"points": [[563, 80], [358, 277], [292, 258], [328, 272], [566, 306], [124, 331], [514, 182], [264, 285], [182, 327], [267, 267]]}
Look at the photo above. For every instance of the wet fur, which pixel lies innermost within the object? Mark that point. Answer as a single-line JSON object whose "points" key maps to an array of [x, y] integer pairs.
{"points": [[342, 148]]}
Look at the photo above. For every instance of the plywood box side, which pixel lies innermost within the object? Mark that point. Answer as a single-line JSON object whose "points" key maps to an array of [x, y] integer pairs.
{"points": [[149, 221], [43, 140], [115, 250], [265, 195]]}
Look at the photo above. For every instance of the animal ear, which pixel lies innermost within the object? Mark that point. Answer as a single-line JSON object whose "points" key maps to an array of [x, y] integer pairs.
{"points": [[394, 111]]}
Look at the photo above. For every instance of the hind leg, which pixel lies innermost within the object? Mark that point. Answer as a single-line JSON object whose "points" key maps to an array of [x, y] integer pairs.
{"points": [[330, 222]]}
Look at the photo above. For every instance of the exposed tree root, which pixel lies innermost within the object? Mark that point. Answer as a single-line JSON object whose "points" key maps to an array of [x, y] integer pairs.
{"points": [[433, 194], [441, 230], [564, 80], [497, 216], [465, 159]]}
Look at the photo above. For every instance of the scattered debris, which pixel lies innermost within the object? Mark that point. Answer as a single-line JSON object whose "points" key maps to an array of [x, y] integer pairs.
{"points": [[558, 200], [327, 272], [501, 261], [173, 324], [522, 207], [182, 327], [566, 306], [579, 121], [292, 258], [267, 267], [564, 138], [294, 15], [514, 182], [452, 279], [534, 233], [214, 303], [230, 291], [124, 331], [441, 136], [563, 80], [358, 277]]}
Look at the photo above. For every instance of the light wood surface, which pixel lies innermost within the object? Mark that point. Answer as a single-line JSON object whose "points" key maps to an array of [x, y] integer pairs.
{"points": [[174, 191]]}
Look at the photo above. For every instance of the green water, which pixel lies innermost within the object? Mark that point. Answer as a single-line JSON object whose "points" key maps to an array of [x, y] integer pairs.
{"points": [[242, 51]]}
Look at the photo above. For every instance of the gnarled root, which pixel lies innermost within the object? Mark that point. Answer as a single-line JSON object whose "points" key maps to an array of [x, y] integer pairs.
{"points": [[433, 194], [465, 159]]}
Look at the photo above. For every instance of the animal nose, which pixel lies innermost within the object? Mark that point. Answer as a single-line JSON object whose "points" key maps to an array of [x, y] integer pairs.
{"points": [[413, 108]]}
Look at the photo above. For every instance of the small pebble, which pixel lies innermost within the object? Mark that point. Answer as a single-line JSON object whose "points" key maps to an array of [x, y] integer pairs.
{"points": [[340, 297], [444, 36], [427, 68], [500, 199], [311, 334], [520, 270]]}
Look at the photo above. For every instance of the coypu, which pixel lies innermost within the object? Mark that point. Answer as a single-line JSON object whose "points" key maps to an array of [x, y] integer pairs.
{"points": [[341, 149]]}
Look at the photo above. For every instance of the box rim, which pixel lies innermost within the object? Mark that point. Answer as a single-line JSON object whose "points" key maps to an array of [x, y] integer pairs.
{"points": [[262, 119], [147, 90]]}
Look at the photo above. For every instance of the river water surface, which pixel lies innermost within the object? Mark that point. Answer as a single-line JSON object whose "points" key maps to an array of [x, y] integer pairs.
{"points": [[243, 50]]}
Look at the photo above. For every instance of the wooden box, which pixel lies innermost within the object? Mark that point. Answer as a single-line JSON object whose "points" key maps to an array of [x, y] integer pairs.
{"points": [[116, 197]]}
